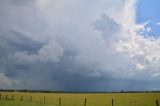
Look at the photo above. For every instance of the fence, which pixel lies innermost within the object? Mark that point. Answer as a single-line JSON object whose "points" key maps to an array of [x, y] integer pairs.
{"points": [[30, 99]]}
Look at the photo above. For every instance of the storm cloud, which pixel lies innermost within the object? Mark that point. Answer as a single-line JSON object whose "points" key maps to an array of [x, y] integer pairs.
{"points": [[76, 45]]}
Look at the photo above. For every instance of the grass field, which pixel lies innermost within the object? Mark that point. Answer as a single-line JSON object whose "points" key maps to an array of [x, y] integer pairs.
{"points": [[95, 99]]}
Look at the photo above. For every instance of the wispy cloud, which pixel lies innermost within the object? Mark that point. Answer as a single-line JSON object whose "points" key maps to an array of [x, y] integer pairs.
{"points": [[158, 23]]}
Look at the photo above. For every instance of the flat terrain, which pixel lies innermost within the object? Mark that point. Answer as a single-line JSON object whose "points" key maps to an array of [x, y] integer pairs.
{"points": [[77, 99]]}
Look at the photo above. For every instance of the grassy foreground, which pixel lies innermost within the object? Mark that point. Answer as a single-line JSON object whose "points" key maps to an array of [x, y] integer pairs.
{"points": [[67, 99]]}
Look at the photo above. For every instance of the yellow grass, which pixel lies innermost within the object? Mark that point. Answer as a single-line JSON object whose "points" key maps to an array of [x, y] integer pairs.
{"points": [[72, 99]]}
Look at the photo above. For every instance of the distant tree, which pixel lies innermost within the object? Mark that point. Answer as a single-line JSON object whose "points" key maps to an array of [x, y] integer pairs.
{"points": [[121, 91]]}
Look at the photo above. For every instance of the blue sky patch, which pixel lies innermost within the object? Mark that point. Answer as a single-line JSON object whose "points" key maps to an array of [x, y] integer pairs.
{"points": [[148, 11]]}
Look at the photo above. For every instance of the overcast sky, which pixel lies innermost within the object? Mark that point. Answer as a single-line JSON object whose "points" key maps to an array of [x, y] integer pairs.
{"points": [[80, 45]]}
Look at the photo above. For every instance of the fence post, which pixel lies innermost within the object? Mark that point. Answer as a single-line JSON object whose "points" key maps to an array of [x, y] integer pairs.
{"points": [[6, 97], [44, 100], [12, 97], [85, 102], [22, 98], [112, 102], [157, 104], [59, 101], [30, 99], [0, 96]]}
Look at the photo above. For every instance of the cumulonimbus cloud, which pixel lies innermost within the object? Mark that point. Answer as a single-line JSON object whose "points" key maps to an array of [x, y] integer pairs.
{"points": [[77, 43]]}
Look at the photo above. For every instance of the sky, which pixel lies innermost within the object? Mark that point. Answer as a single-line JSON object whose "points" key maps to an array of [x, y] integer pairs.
{"points": [[80, 45], [147, 11]]}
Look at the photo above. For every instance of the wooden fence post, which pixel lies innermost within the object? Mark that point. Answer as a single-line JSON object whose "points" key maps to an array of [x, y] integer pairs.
{"points": [[6, 97], [112, 102], [44, 100], [22, 98], [59, 101], [157, 104], [30, 99], [12, 97], [85, 102], [0, 96]]}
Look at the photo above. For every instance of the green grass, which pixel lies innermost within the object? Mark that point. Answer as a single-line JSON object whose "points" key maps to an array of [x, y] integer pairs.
{"points": [[95, 99]]}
